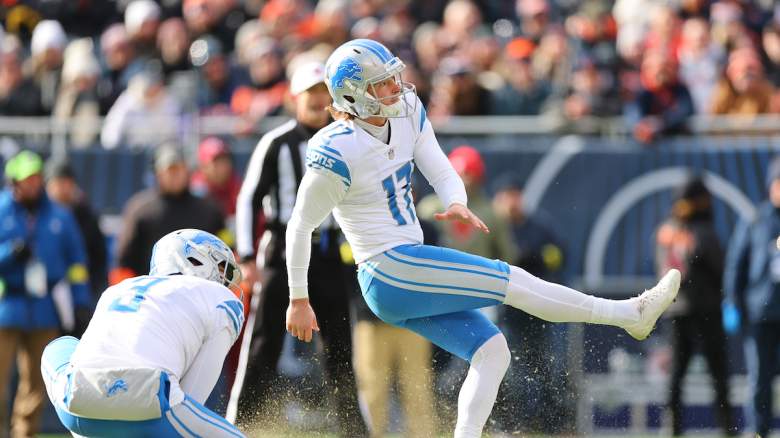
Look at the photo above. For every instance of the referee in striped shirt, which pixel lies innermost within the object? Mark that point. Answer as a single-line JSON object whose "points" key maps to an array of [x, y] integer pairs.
{"points": [[271, 183]]}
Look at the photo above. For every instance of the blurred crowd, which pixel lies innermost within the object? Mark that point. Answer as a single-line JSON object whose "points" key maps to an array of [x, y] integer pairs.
{"points": [[144, 63], [148, 67]]}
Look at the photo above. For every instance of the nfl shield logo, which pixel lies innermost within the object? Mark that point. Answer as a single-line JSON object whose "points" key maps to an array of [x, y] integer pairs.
{"points": [[391, 154]]}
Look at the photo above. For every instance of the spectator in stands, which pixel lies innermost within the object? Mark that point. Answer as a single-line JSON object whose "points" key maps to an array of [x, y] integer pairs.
{"points": [[428, 46], [47, 47], [522, 94], [120, 63], [18, 96], [483, 51], [468, 162], [455, 91], [632, 19], [533, 398], [142, 20], [770, 42], [155, 212], [687, 241], [331, 22], [218, 18], [461, 19], [272, 178], [701, 62], [534, 16], [218, 78], [249, 34], [62, 187], [663, 104], [743, 89], [288, 19], [144, 115], [594, 32], [77, 106], [553, 61], [752, 288], [664, 34], [215, 177], [265, 93], [173, 43], [41, 250], [230, 15], [590, 94], [727, 21], [199, 16]]}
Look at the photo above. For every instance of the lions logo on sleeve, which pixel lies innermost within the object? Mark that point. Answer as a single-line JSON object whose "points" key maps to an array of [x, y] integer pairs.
{"points": [[321, 156]]}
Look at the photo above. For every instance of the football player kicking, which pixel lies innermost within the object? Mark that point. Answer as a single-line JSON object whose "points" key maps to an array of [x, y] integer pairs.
{"points": [[154, 347], [360, 167]]}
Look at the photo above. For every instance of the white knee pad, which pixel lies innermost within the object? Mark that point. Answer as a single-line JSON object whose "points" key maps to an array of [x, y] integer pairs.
{"points": [[493, 354], [478, 394]]}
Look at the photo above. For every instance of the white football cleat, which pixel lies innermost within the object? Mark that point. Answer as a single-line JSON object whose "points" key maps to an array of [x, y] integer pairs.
{"points": [[652, 304]]}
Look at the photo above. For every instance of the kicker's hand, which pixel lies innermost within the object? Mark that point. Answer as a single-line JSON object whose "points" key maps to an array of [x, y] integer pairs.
{"points": [[461, 213], [301, 321]]}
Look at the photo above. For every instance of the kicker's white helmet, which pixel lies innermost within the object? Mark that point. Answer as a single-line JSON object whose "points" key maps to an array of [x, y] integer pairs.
{"points": [[197, 253], [353, 69]]}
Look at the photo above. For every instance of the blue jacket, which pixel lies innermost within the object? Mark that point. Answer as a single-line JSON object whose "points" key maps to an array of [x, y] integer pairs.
{"points": [[752, 275], [56, 241]]}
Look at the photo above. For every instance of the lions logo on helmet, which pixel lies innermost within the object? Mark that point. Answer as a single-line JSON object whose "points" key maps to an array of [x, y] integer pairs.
{"points": [[347, 69], [197, 253], [352, 71]]}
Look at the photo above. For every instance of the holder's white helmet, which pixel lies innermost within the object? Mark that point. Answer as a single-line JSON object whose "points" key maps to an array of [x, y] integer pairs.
{"points": [[198, 253], [353, 69]]}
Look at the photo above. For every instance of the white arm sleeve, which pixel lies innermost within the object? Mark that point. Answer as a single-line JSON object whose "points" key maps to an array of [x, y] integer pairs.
{"points": [[318, 194], [202, 375], [436, 168]]}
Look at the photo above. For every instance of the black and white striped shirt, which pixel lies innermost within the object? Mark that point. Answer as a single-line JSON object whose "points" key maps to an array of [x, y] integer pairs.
{"points": [[271, 182]]}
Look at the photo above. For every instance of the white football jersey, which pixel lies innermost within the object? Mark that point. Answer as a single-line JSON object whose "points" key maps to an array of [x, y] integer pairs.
{"points": [[377, 212], [367, 184], [157, 322]]}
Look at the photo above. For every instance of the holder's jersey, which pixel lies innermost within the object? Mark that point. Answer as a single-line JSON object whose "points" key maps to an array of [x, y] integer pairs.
{"points": [[162, 322], [367, 185]]}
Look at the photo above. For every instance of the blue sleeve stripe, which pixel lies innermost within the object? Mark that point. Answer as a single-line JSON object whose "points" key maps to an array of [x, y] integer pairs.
{"points": [[319, 159], [236, 325], [330, 149], [237, 308], [423, 116]]}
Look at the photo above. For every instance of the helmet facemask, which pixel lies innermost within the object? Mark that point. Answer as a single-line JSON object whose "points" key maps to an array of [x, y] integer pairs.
{"points": [[401, 104]]}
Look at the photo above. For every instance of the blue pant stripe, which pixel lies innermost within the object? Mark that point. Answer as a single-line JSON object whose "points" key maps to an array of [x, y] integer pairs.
{"points": [[448, 257], [437, 286], [208, 412], [195, 409], [445, 268], [173, 415]]}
